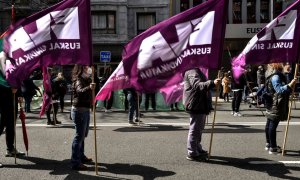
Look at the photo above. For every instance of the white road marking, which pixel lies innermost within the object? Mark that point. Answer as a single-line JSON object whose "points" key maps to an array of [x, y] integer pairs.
{"points": [[163, 124]]}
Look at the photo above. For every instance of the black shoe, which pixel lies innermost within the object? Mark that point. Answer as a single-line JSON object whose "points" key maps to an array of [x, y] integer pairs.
{"points": [[138, 121], [50, 123], [86, 160], [196, 158], [80, 167], [58, 122]]}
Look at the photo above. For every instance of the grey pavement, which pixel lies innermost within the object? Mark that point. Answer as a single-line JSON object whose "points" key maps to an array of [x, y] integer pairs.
{"points": [[156, 149]]}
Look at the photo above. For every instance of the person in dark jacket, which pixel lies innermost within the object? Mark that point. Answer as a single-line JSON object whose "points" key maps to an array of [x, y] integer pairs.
{"points": [[80, 113], [237, 89], [60, 85], [55, 95], [195, 100], [277, 107], [29, 89]]}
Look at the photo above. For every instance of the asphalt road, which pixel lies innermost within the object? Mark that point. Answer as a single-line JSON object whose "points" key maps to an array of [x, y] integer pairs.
{"points": [[156, 149]]}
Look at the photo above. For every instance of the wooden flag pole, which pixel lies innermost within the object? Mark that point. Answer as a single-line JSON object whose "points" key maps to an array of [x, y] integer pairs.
{"points": [[214, 118], [289, 114], [15, 123], [94, 118]]}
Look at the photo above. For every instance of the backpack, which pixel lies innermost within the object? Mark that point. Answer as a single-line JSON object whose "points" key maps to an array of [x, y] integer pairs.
{"points": [[264, 94]]}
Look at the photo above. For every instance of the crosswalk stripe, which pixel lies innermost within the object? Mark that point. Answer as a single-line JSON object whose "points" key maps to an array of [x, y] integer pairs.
{"points": [[162, 124]]}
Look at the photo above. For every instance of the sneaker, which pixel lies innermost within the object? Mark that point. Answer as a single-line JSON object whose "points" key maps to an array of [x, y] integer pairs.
{"points": [[239, 114], [232, 113], [80, 167], [132, 123], [108, 110], [267, 147], [1, 165], [275, 150], [196, 158], [13, 152]]}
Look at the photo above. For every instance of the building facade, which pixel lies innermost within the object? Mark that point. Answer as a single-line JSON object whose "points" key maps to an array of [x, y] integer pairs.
{"points": [[116, 22]]}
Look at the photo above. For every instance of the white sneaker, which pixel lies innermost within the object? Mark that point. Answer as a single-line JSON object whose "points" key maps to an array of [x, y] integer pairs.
{"points": [[235, 114], [238, 114], [232, 113], [108, 110]]}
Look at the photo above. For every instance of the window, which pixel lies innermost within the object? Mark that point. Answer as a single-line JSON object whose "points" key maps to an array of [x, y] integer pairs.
{"points": [[264, 11], [251, 18], [105, 22], [236, 11], [144, 21], [277, 8], [24, 2], [184, 5]]}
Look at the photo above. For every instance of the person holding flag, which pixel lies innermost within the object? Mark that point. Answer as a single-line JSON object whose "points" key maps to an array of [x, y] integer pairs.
{"points": [[195, 100], [80, 113], [277, 106]]}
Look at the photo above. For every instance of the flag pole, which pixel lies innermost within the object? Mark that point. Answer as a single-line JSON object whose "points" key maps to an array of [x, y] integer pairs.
{"points": [[15, 122], [94, 118], [289, 114], [214, 118], [138, 108]]}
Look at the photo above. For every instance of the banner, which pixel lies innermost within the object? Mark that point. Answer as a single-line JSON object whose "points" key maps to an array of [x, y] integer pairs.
{"points": [[194, 38], [158, 57], [277, 42], [59, 35]]}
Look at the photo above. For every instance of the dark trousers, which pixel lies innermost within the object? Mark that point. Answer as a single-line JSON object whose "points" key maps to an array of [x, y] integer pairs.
{"points": [[62, 101], [236, 101], [133, 109], [48, 112], [108, 103], [7, 116], [126, 101], [153, 101], [270, 131], [28, 100]]}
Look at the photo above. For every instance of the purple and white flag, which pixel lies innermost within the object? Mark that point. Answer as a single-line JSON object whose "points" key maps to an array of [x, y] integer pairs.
{"points": [[194, 38], [157, 58], [118, 80], [277, 42], [58, 35]]}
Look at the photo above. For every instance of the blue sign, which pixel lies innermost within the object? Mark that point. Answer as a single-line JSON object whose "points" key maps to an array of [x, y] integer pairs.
{"points": [[105, 56]]}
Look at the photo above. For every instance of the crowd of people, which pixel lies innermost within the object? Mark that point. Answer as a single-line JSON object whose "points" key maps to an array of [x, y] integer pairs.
{"points": [[276, 78]]}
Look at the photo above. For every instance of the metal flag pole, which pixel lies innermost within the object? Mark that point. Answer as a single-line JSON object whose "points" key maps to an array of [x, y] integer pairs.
{"points": [[94, 118], [214, 118], [289, 114]]}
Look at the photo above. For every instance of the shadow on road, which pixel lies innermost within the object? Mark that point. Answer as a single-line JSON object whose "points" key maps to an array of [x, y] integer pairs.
{"points": [[149, 128], [64, 168], [272, 168]]}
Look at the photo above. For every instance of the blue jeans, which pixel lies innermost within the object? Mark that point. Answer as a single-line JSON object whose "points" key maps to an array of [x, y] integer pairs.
{"points": [[81, 120], [132, 107], [270, 131], [197, 124]]}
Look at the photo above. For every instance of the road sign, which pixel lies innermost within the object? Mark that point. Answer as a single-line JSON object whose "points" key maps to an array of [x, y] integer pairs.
{"points": [[105, 56]]}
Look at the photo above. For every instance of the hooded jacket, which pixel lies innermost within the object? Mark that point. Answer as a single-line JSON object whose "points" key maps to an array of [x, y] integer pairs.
{"points": [[195, 93]]}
